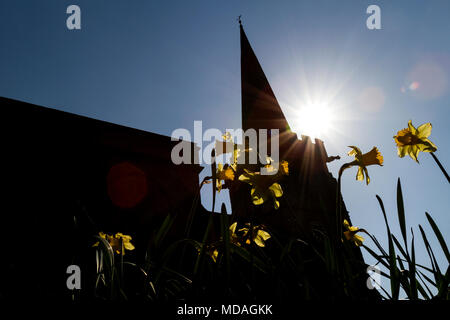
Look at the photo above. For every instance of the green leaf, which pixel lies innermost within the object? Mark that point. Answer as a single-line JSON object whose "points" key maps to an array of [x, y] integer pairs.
{"points": [[163, 230], [379, 258], [436, 271], [412, 270], [439, 236], [428, 279], [443, 289], [226, 239], [393, 270], [247, 256], [430, 252], [214, 178], [401, 213], [399, 246], [424, 294], [403, 278], [375, 240], [171, 249]]}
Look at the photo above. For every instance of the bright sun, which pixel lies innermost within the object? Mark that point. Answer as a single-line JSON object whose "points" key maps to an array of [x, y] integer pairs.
{"points": [[314, 120]]}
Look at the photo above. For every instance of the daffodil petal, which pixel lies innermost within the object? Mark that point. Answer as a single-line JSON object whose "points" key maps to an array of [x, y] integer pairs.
{"points": [[264, 234], [413, 152], [411, 128], [424, 130], [244, 177], [244, 231], [276, 190], [257, 200], [401, 151], [360, 174], [367, 175], [346, 224], [355, 151], [259, 241], [427, 146], [358, 240], [276, 203]]}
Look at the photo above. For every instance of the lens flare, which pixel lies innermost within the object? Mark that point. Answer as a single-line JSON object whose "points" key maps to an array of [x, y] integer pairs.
{"points": [[313, 120]]}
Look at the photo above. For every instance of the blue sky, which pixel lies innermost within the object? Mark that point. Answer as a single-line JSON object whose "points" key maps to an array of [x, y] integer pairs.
{"points": [[160, 65]]}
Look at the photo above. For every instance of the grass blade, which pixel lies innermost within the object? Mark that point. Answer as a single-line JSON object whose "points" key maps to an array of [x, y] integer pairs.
{"points": [[393, 270], [226, 240], [443, 289], [412, 270], [214, 178], [439, 236], [400, 248], [436, 271], [401, 213], [163, 230]]}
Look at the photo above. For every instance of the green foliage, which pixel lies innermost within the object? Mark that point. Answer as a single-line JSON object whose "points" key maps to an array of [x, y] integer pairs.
{"points": [[416, 279], [226, 266]]}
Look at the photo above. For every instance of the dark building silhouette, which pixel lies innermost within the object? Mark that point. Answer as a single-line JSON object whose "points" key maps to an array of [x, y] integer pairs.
{"points": [[64, 171]]}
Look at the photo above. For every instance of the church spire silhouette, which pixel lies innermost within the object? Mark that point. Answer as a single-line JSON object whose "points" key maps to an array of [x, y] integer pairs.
{"points": [[260, 108]]}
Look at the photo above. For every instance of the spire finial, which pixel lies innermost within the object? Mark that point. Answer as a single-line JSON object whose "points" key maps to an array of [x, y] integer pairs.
{"points": [[239, 19]]}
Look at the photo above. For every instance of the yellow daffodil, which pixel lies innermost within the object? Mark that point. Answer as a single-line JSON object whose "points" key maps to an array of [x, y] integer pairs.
{"points": [[126, 239], [213, 251], [259, 236], [284, 167], [362, 161], [117, 241], [223, 173], [234, 238], [351, 234], [265, 186], [411, 141]]}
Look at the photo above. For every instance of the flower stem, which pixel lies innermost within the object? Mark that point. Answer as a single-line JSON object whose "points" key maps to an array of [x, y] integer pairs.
{"points": [[339, 201], [440, 166], [338, 207]]}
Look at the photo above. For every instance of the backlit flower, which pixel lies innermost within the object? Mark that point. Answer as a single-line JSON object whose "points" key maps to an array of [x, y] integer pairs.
{"points": [[213, 253], [223, 173], [410, 141], [351, 233], [234, 238], [259, 236], [265, 186], [119, 242], [363, 160], [213, 250]]}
